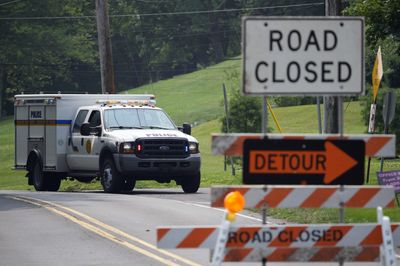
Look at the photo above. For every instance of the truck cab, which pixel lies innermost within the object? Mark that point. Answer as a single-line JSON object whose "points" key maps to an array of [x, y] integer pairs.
{"points": [[113, 140]]}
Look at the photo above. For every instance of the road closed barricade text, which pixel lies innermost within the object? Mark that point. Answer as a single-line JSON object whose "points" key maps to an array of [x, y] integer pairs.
{"points": [[281, 236]]}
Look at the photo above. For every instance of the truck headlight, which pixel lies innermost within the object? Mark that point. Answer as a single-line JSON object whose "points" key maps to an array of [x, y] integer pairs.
{"points": [[127, 147], [193, 147]]}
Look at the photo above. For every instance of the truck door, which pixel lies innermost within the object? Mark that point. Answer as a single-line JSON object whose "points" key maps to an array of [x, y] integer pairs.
{"points": [[92, 144], [75, 143]]}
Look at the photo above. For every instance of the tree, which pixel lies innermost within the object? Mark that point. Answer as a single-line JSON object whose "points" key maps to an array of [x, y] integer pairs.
{"points": [[44, 54], [382, 29], [244, 114], [152, 40], [381, 17]]}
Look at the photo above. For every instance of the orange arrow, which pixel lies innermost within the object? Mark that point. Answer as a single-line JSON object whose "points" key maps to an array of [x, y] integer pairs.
{"points": [[338, 162], [332, 162]]}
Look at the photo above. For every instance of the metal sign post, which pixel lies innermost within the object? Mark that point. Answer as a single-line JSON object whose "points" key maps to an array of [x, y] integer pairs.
{"points": [[222, 238], [227, 127], [389, 109]]}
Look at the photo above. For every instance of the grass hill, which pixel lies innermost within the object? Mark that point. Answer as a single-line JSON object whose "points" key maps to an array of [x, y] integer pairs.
{"points": [[296, 119], [197, 98]]}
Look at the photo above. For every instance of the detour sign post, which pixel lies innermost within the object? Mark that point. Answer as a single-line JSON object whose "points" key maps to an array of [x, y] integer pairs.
{"points": [[330, 162]]}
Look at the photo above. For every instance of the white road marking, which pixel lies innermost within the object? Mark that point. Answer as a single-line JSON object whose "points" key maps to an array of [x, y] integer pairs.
{"points": [[220, 210]]}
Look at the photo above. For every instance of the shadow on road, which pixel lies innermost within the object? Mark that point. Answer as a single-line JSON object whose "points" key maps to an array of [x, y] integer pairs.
{"points": [[161, 191], [8, 204]]}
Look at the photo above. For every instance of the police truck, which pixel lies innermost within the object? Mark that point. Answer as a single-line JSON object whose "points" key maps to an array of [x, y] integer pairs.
{"points": [[117, 139]]}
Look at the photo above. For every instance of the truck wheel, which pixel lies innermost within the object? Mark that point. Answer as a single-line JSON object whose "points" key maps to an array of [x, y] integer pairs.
{"points": [[191, 184], [129, 184], [111, 179], [38, 177], [52, 181]]}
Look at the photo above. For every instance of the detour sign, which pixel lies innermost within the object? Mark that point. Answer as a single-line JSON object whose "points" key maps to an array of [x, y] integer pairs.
{"points": [[330, 162]]}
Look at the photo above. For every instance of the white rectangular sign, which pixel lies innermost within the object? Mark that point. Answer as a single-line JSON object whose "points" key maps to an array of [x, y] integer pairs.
{"points": [[303, 55]]}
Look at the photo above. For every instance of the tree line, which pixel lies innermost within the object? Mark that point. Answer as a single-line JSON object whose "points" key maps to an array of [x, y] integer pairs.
{"points": [[51, 46]]}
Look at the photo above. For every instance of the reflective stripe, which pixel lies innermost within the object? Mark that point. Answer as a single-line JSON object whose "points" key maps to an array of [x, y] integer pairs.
{"points": [[308, 196], [42, 122], [375, 145]]}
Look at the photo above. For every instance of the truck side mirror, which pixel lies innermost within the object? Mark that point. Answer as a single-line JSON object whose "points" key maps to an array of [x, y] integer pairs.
{"points": [[85, 129], [187, 128]]}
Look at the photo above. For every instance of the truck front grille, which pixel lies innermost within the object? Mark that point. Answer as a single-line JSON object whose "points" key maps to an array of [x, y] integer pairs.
{"points": [[162, 148]]}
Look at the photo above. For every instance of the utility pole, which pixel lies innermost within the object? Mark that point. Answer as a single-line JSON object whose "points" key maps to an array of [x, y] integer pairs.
{"points": [[105, 51], [331, 103]]}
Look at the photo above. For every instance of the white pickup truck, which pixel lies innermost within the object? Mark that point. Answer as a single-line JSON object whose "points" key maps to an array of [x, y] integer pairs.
{"points": [[117, 139]]}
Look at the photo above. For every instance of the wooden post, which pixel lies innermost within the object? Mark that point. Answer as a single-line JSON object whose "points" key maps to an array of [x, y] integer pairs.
{"points": [[331, 120], [105, 51]]}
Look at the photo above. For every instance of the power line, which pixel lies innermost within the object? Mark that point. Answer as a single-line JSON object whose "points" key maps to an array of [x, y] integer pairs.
{"points": [[199, 12], [215, 11]]}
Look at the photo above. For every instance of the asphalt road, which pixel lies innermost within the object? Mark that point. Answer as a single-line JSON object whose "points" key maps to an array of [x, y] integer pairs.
{"points": [[95, 228]]}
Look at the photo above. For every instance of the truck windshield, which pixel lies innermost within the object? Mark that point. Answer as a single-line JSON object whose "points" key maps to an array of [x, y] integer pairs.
{"points": [[137, 118]]}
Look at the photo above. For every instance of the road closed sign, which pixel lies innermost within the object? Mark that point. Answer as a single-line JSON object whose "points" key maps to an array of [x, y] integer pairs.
{"points": [[303, 55]]}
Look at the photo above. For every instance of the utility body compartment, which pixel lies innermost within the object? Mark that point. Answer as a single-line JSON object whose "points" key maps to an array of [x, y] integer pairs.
{"points": [[43, 122]]}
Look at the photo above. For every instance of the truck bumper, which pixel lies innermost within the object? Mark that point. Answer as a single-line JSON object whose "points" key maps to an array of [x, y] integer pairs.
{"points": [[144, 169]]}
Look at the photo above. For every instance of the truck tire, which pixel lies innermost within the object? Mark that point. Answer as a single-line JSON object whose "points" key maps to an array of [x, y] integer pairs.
{"points": [[191, 184], [38, 177], [53, 181], [111, 179], [129, 184], [43, 181]]}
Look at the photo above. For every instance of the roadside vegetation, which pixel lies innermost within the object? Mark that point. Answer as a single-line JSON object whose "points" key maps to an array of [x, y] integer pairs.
{"points": [[162, 49], [295, 119]]}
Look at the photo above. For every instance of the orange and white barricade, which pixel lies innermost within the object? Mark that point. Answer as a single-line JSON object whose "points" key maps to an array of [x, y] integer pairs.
{"points": [[375, 145], [316, 242], [297, 196], [300, 243]]}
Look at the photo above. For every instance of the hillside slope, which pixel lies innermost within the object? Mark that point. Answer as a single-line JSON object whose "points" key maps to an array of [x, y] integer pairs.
{"points": [[195, 97]]}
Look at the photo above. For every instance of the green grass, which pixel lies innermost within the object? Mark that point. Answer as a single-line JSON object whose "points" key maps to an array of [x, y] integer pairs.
{"points": [[9, 179], [197, 98], [304, 119]]}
